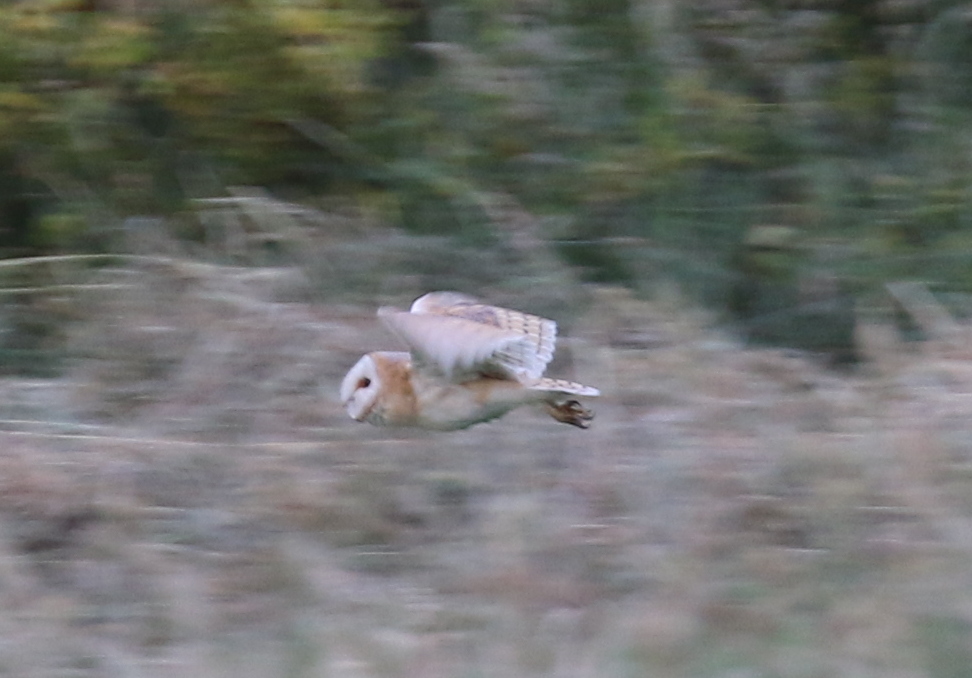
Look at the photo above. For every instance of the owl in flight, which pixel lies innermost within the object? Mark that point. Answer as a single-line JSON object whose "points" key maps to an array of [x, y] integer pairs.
{"points": [[467, 363]]}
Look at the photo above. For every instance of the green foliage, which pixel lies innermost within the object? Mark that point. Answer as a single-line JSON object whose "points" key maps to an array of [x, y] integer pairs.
{"points": [[116, 113], [646, 140]]}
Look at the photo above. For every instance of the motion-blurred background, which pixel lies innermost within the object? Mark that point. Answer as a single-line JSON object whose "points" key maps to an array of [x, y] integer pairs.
{"points": [[752, 220]]}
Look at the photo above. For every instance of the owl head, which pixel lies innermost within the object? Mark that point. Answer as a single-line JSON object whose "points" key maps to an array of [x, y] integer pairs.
{"points": [[360, 388], [378, 389]]}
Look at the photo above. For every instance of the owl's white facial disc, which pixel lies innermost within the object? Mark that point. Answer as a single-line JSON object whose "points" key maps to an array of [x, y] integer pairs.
{"points": [[359, 389]]}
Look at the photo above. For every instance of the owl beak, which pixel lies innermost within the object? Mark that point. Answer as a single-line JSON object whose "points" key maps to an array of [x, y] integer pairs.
{"points": [[360, 418]]}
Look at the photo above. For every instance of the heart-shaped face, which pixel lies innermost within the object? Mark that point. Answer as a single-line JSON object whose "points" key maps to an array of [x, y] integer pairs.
{"points": [[360, 389]]}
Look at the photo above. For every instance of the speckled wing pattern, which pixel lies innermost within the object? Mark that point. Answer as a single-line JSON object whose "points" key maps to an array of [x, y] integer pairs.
{"points": [[563, 386], [539, 334], [464, 338]]}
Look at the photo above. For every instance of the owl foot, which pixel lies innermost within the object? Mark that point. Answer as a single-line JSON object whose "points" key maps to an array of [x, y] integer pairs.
{"points": [[571, 412]]}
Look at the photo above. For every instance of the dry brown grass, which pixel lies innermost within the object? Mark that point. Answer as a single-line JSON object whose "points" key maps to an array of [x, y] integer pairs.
{"points": [[190, 500]]}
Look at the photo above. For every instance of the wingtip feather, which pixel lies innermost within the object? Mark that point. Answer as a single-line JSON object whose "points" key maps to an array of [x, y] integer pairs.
{"points": [[564, 386]]}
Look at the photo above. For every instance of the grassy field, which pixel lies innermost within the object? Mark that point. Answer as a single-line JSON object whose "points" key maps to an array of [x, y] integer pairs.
{"points": [[188, 499]]}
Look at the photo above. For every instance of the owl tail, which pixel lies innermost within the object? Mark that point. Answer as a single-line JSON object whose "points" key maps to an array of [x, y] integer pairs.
{"points": [[566, 411], [563, 386]]}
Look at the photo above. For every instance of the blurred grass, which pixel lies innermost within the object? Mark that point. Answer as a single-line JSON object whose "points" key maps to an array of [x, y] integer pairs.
{"points": [[201, 211], [189, 498]]}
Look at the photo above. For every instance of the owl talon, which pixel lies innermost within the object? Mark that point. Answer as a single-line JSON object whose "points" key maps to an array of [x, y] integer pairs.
{"points": [[571, 412]]}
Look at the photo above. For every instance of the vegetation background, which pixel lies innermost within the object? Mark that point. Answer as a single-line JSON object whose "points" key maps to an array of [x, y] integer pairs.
{"points": [[751, 220]]}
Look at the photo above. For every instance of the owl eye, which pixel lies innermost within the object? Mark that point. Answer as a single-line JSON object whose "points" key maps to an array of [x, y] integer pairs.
{"points": [[364, 382]]}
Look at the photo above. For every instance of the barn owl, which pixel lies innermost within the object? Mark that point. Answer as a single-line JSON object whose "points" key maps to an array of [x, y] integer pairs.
{"points": [[467, 363]]}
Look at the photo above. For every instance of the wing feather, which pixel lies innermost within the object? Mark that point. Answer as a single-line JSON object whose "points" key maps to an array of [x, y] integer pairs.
{"points": [[462, 349], [563, 386], [526, 358]]}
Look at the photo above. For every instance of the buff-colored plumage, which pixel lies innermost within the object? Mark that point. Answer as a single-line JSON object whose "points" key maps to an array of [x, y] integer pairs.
{"points": [[468, 363]]}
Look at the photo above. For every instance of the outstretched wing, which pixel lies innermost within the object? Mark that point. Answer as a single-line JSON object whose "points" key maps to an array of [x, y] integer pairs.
{"points": [[463, 339]]}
